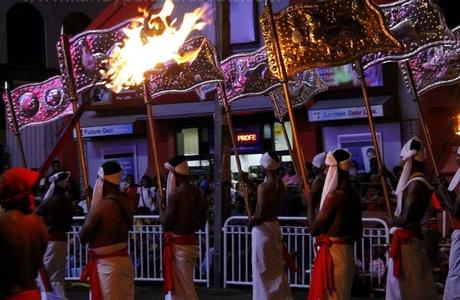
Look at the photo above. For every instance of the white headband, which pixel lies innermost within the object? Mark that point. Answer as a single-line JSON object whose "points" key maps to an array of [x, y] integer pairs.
{"points": [[332, 175], [62, 183], [182, 169], [407, 155], [318, 160], [268, 163], [98, 186]]}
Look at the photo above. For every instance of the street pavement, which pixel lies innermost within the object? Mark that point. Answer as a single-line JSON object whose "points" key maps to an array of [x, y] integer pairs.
{"points": [[153, 291]]}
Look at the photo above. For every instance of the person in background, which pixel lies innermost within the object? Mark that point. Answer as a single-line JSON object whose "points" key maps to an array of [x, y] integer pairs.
{"points": [[23, 236], [131, 189], [147, 195], [56, 210], [290, 178]]}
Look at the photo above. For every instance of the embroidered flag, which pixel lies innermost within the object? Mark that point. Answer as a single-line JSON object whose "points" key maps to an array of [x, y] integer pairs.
{"points": [[435, 66], [418, 24], [37, 103], [326, 33]]}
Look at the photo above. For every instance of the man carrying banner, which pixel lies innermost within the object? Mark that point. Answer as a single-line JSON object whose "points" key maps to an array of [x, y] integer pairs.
{"points": [[23, 236], [268, 266], [56, 209], [452, 287], [409, 270], [183, 215], [106, 227], [336, 227]]}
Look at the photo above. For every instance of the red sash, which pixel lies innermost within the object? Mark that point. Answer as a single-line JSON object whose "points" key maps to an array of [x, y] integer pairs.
{"points": [[25, 295], [400, 236], [90, 271], [322, 278], [169, 252], [45, 278], [456, 222]]}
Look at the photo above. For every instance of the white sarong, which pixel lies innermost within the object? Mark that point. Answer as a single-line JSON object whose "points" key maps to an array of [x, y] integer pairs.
{"points": [[116, 274], [268, 268], [54, 261], [416, 281], [344, 266], [452, 289], [185, 258]]}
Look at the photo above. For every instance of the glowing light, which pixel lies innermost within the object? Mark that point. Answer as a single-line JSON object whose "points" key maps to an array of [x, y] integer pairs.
{"points": [[456, 124], [151, 41]]}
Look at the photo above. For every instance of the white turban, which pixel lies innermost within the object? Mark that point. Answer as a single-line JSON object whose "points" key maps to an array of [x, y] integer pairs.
{"points": [[109, 171], [60, 179], [456, 179], [318, 160], [268, 162], [407, 155], [332, 175], [176, 165]]}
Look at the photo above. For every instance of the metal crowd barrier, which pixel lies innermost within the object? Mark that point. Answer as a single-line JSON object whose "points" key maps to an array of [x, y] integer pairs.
{"points": [[145, 247], [370, 253]]}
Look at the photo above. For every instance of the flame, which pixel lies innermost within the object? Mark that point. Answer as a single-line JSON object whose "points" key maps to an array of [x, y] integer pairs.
{"points": [[151, 41]]}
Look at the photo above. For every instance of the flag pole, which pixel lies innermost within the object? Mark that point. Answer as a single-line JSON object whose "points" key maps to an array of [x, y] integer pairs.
{"points": [[235, 149], [73, 100], [16, 127], [288, 100], [151, 126], [427, 135], [359, 70], [285, 134]]}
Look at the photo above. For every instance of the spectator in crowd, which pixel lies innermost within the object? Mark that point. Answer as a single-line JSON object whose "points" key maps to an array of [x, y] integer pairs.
{"points": [[147, 194], [290, 178], [130, 188]]}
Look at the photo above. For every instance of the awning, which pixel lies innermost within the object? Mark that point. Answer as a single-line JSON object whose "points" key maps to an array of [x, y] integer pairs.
{"points": [[349, 108]]}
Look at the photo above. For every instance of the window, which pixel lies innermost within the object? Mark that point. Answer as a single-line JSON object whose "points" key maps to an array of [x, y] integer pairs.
{"points": [[187, 141], [25, 36], [280, 141], [244, 32]]}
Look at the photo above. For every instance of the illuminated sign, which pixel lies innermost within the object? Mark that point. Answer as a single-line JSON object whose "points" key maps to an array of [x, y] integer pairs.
{"points": [[106, 130], [245, 138], [248, 138], [343, 113]]}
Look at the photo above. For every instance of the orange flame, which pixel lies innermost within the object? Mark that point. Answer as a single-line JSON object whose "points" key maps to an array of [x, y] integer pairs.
{"points": [[151, 41]]}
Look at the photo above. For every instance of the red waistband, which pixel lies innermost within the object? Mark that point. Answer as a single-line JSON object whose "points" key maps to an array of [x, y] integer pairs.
{"points": [[25, 295], [90, 271], [180, 239]]}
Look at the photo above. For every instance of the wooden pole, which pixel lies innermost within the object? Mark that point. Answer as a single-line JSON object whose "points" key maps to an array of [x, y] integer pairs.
{"points": [[288, 101], [16, 127], [378, 154], [151, 126], [235, 150], [73, 99]]}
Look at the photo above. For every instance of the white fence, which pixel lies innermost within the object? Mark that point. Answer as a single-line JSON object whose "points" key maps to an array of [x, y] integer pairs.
{"points": [[146, 244], [145, 248], [370, 252]]}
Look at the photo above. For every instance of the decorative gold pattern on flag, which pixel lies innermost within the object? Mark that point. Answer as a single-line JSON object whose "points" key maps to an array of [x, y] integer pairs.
{"points": [[37, 103], [302, 88], [176, 77], [327, 33], [435, 66], [418, 24]]}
